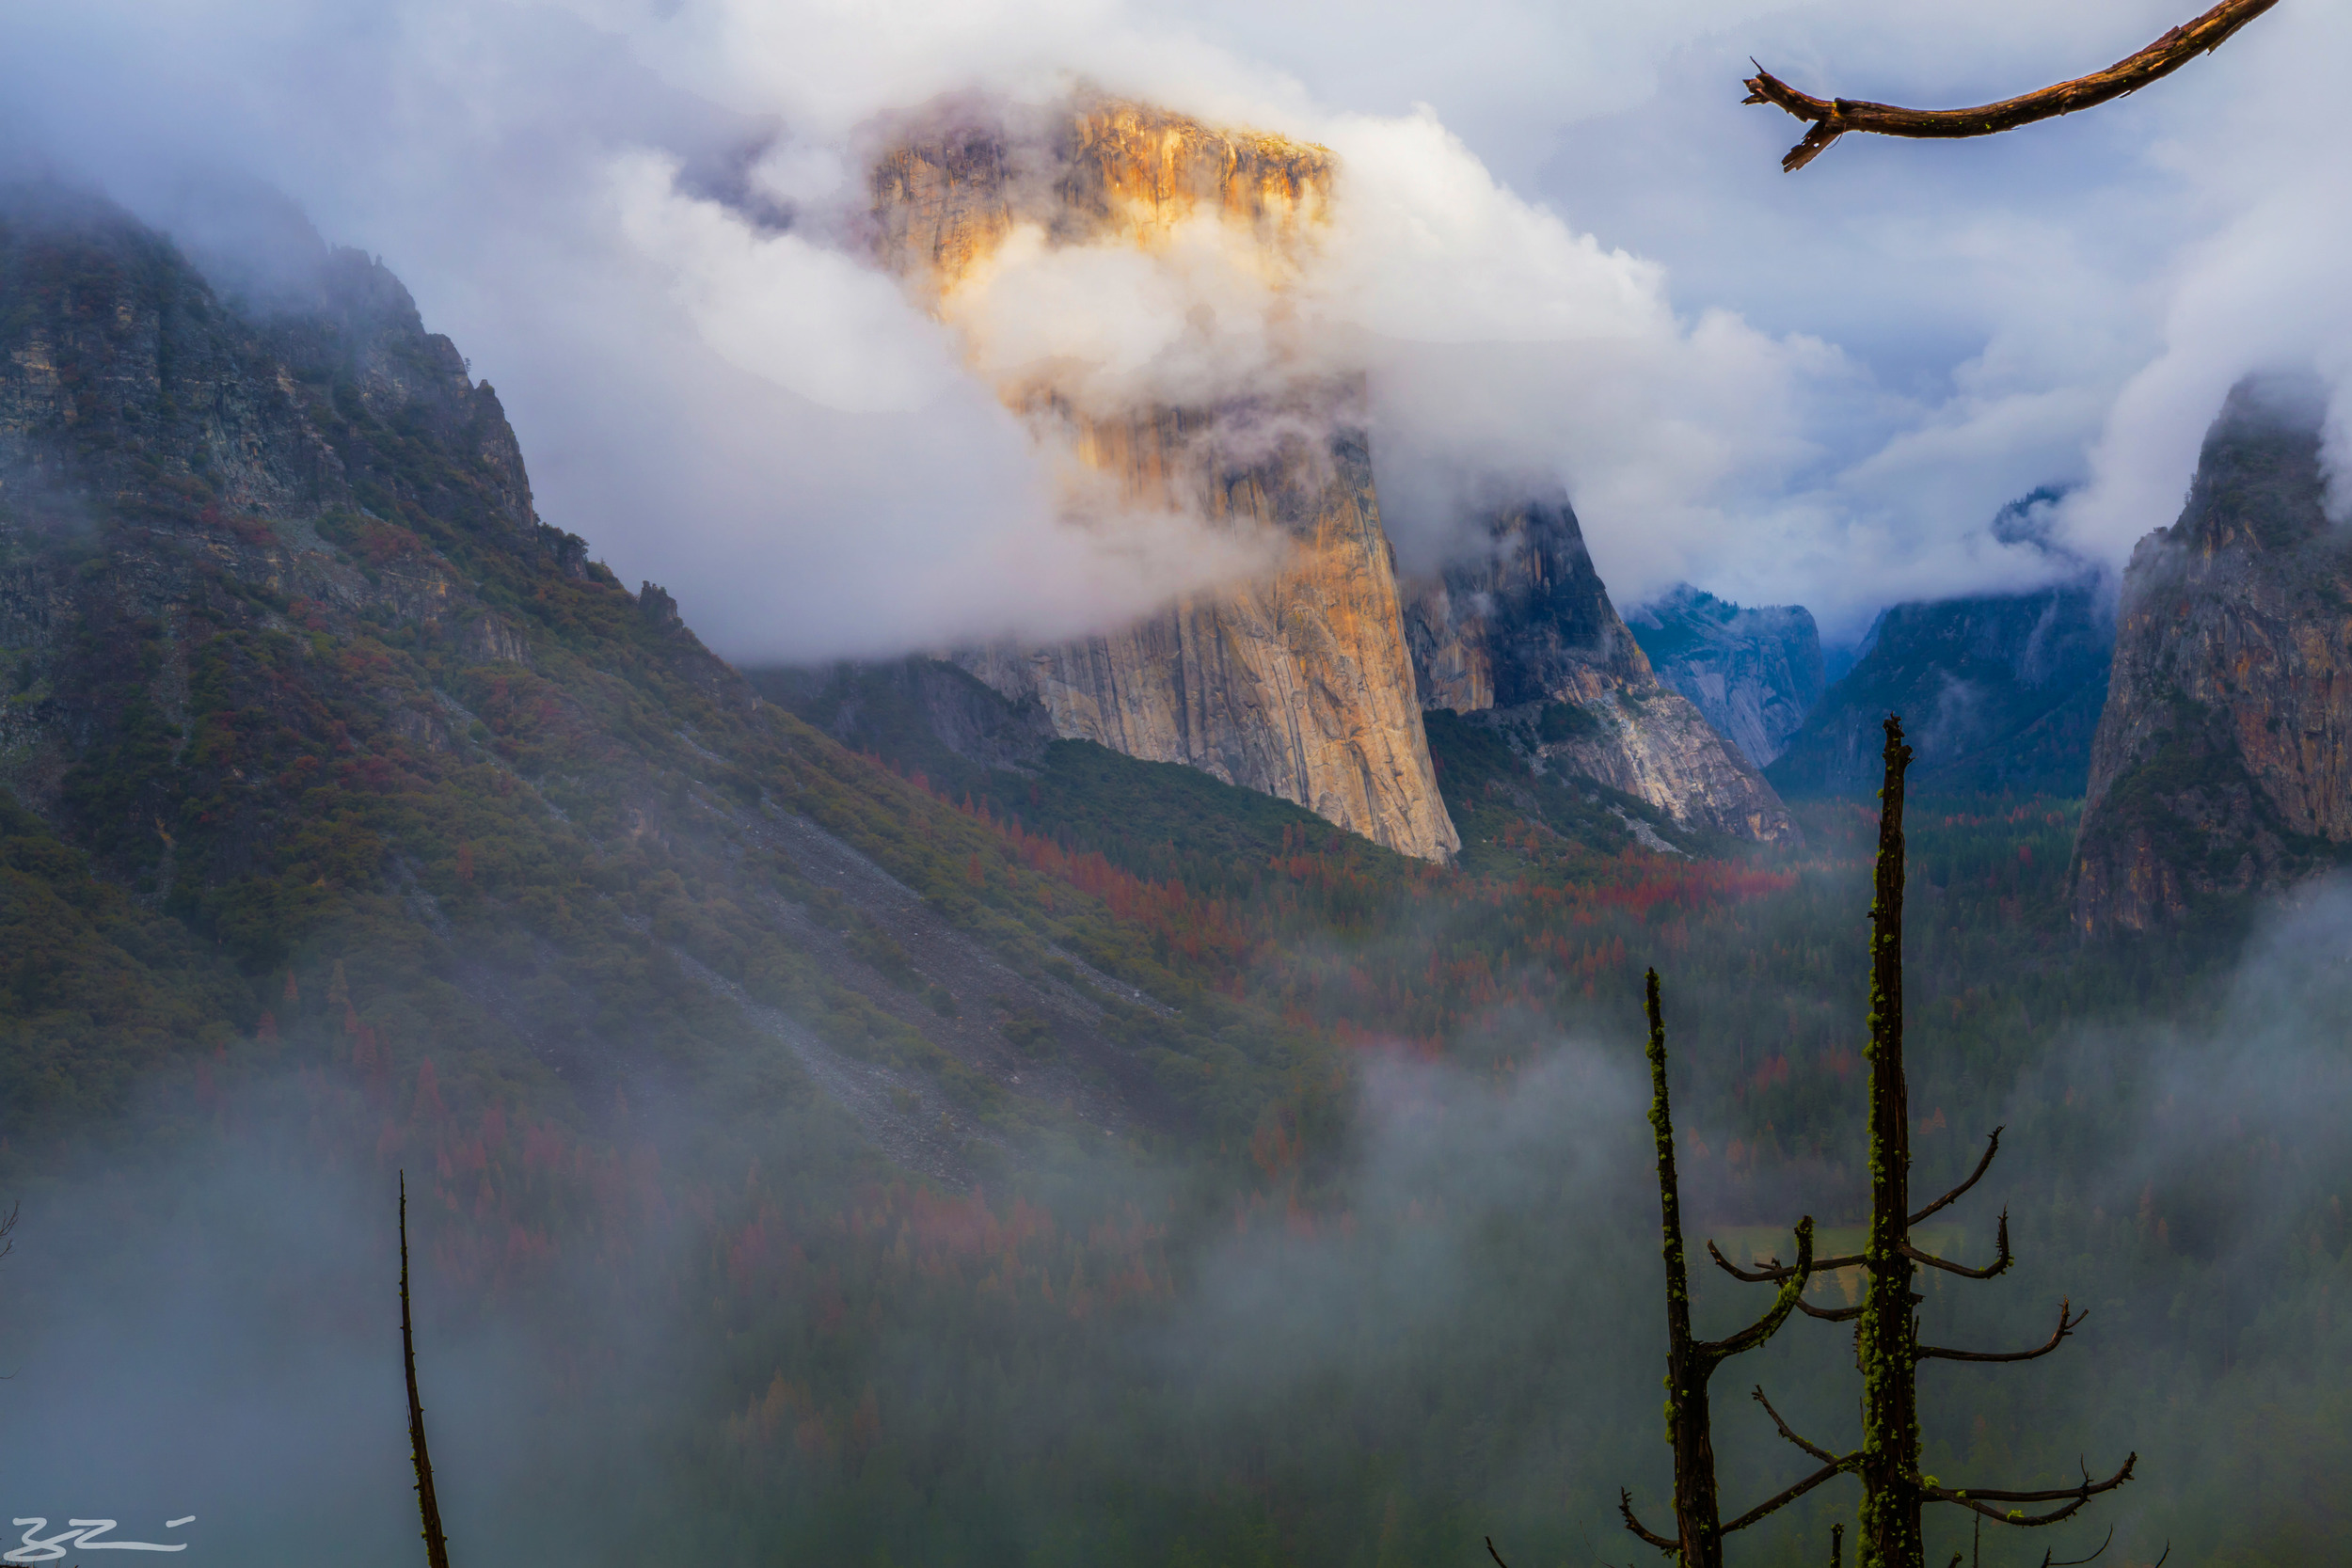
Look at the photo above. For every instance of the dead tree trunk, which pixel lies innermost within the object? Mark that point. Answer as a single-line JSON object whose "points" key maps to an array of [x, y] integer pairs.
{"points": [[428, 1506], [1886, 1335], [1886, 1341], [1699, 1533]]}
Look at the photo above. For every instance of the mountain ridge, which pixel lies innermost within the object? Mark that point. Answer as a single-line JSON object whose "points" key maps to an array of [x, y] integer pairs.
{"points": [[2001, 692], [290, 662]]}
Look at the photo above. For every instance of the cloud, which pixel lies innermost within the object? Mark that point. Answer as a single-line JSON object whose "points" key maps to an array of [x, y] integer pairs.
{"points": [[2271, 179], [1562, 249], [805, 316]]}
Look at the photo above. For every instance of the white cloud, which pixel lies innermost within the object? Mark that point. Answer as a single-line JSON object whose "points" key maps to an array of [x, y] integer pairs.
{"points": [[1562, 248], [2262, 283], [805, 316]]}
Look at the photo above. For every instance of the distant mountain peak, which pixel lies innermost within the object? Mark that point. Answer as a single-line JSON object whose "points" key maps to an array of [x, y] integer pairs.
{"points": [[1755, 673]]}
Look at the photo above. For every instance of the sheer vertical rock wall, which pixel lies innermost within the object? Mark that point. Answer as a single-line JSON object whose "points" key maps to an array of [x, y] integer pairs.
{"points": [[1296, 682]]}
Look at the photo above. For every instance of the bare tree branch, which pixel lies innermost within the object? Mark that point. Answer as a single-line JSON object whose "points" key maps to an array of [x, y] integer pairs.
{"points": [[1992, 1147], [1497, 1556], [1830, 1314], [1774, 1269], [6, 1246], [1625, 1507], [1832, 117], [1773, 1504], [1997, 1267], [1814, 1449], [1791, 1293], [2047, 1561], [2066, 1326], [2074, 1496], [428, 1505]]}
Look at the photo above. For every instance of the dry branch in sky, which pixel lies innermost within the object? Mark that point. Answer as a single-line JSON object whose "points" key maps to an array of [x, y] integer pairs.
{"points": [[1832, 117]]}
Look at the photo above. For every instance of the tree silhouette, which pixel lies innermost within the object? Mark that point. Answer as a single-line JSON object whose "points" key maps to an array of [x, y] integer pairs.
{"points": [[1832, 117], [428, 1506]]}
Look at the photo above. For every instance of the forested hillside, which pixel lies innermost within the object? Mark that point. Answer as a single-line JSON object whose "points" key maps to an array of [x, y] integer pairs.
{"points": [[845, 1124]]}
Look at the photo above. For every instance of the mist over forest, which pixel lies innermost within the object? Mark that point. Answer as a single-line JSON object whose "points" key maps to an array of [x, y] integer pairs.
{"points": [[1062, 980], [1422, 1306]]}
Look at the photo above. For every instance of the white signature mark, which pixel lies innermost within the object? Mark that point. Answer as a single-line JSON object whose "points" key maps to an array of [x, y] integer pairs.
{"points": [[86, 1533]]}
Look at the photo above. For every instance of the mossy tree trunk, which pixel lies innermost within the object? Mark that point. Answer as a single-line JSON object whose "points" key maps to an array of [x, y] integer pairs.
{"points": [[1886, 1338], [1886, 1335], [1691, 1363]]}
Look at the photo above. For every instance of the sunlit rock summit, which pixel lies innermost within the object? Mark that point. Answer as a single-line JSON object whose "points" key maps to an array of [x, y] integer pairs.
{"points": [[1296, 681]]}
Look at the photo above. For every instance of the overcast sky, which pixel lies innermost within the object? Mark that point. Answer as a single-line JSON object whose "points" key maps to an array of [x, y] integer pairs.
{"points": [[1561, 247]]}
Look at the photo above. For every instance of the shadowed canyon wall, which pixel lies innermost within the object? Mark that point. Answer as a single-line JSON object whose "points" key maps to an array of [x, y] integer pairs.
{"points": [[2223, 760], [1525, 622], [1754, 671], [2000, 694]]}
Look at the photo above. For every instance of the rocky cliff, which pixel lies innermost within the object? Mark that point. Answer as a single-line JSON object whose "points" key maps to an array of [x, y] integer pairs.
{"points": [[2000, 694], [1296, 681], [1755, 673], [1521, 630], [2223, 761]]}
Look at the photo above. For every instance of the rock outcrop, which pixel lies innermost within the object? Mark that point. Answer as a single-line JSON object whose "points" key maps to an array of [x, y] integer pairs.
{"points": [[1296, 681], [1999, 692], [222, 446], [1521, 631], [1755, 673], [2223, 761]]}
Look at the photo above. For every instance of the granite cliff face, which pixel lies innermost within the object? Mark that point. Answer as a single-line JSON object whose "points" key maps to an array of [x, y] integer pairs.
{"points": [[1521, 631], [1295, 682], [2223, 761], [2001, 693], [1755, 673]]}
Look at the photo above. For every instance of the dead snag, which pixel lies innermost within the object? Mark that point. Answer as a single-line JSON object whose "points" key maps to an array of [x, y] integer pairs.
{"points": [[1886, 1335], [1689, 1362], [1832, 117], [435, 1544]]}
